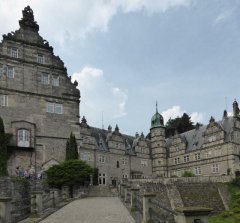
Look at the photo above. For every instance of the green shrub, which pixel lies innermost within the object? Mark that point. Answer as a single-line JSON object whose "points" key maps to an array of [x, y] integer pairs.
{"points": [[188, 174]]}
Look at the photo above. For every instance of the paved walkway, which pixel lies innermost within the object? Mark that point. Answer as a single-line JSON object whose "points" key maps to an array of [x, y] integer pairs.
{"points": [[92, 210]]}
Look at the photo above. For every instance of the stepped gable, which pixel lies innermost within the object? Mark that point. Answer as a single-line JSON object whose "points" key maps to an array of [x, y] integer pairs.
{"points": [[195, 138], [100, 136]]}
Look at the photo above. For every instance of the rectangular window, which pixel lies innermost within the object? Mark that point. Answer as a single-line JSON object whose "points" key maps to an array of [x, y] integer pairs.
{"points": [[10, 71], [14, 52], [125, 176], [198, 170], [215, 168], [3, 100], [144, 163], [101, 159], [175, 161], [186, 159], [50, 107], [54, 108], [55, 81], [45, 78], [40, 59], [197, 156], [124, 161], [58, 108], [1, 69]]}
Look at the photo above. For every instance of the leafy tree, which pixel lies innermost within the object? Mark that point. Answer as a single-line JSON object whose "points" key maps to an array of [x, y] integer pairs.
{"points": [[69, 173], [4, 141], [71, 148], [179, 125]]}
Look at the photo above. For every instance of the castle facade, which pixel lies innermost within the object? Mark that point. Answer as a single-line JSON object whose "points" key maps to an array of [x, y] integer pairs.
{"points": [[40, 108]]}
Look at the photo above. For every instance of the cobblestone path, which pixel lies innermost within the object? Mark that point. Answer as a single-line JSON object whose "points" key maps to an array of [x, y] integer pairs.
{"points": [[92, 210]]}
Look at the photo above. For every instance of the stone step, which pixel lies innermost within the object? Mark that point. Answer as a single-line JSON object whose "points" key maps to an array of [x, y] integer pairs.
{"points": [[102, 191]]}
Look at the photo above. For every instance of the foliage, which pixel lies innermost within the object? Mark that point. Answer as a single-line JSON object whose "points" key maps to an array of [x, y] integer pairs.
{"points": [[69, 173], [4, 155], [179, 124], [188, 174], [71, 148], [233, 214]]}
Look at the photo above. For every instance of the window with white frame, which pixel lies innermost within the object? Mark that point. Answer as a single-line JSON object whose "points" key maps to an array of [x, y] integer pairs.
{"points": [[1, 69], [124, 161], [215, 168], [125, 176], [101, 159], [3, 100], [198, 170], [175, 161], [40, 59], [14, 52], [56, 108], [144, 163], [10, 71], [186, 159], [86, 156], [55, 81], [212, 138], [45, 78], [23, 138], [197, 156]]}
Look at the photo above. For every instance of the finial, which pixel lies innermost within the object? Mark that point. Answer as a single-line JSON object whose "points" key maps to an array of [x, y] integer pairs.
{"points": [[27, 22], [211, 120], [116, 128], [109, 128], [84, 120], [156, 107]]}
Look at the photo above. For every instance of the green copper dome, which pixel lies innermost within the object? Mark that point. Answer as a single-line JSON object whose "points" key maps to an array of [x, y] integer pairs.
{"points": [[157, 119]]}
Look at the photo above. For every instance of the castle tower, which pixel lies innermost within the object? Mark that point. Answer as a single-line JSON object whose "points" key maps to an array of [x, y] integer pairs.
{"points": [[158, 145]]}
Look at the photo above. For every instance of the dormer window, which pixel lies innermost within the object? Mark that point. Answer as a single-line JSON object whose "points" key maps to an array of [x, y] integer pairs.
{"points": [[40, 59], [14, 52], [23, 138]]}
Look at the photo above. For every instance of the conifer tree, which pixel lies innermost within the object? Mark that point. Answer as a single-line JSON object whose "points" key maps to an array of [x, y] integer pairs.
{"points": [[4, 139], [71, 148]]}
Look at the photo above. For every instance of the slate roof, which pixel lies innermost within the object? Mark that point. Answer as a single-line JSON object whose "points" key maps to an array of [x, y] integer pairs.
{"points": [[193, 138]]}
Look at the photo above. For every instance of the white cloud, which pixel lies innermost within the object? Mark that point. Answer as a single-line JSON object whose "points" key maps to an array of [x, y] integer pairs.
{"points": [[75, 19], [223, 16], [99, 96], [176, 111]]}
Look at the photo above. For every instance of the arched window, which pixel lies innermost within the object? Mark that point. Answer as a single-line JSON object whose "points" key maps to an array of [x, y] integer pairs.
{"points": [[117, 164], [23, 138]]}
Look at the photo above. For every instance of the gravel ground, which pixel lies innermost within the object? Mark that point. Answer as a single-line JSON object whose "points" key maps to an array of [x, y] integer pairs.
{"points": [[92, 210]]}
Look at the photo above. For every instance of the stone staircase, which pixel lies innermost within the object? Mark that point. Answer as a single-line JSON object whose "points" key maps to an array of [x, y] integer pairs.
{"points": [[102, 191]]}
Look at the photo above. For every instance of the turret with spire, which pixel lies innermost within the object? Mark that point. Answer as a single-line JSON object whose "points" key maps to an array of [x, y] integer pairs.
{"points": [[158, 146]]}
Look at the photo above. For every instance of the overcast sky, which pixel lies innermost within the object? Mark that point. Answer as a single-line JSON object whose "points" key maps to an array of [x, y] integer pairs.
{"points": [[126, 54]]}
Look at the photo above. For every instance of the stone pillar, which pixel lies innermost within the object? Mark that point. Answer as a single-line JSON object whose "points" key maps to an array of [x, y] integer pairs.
{"points": [[126, 188], [65, 192], [91, 180], [36, 202], [133, 197], [54, 196], [146, 205], [122, 190], [5, 209]]}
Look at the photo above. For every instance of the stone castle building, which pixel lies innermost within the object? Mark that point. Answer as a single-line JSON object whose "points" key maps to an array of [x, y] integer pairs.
{"points": [[40, 108]]}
